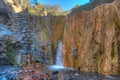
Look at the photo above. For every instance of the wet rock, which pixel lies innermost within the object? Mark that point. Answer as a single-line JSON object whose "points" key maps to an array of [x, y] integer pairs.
{"points": [[3, 55], [55, 72], [9, 72]]}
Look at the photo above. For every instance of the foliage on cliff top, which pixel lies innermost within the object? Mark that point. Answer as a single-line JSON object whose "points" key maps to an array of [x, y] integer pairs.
{"points": [[89, 6], [43, 9], [36, 10]]}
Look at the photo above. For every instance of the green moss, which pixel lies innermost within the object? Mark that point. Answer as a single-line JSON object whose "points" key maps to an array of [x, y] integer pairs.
{"points": [[32, 11], [39, 7], [112, 55], [36, 10], [45, 31], [55, 22], [117, 22], [112, 52], [11, 53], [117, 28], [99, 64], [30, 42], [79, 33]]}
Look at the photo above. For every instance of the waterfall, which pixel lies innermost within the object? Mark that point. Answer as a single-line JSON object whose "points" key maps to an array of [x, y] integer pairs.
{"points": [[72, 41], [64, 37], [73, 34], [59, 57]]}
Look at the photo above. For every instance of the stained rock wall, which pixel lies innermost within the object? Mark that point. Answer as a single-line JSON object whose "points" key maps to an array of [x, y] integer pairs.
{"points": [[91, 39]]}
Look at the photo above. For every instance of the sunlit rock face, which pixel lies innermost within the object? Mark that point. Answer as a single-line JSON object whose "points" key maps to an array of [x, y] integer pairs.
{"points": [[15, 4], [91, 39], [94, 33]]}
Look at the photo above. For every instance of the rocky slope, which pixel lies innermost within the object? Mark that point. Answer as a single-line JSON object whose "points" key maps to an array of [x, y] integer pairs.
{"points": [[18, 38]]}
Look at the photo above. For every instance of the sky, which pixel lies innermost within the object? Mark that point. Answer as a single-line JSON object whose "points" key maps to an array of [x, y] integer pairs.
{"points": [[65, 4]]}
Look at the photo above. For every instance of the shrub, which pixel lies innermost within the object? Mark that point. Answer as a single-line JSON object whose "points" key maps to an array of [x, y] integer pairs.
{"points": [[11, 52]]}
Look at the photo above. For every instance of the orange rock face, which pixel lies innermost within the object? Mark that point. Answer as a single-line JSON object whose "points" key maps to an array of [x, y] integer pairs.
{"points": [[90, 39]]}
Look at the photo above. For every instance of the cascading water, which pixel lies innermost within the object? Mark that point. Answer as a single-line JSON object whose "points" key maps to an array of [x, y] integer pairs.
{"points": [[59, 58], [72, 41]]}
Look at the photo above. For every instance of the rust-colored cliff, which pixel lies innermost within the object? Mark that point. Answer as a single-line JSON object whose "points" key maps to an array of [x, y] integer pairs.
{"points": [[91, 39]]}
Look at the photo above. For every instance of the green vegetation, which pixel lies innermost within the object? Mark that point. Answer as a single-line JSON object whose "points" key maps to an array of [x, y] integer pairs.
{"points": [[117, 22], [89, 6], [24, 3], [38, 9], [100, 1], [113, 51], [42, 10], [12, 49], [11, 52], [44, 33], [32, 10], [55, 22], [66, 12], [76, 8], [117, 28]]}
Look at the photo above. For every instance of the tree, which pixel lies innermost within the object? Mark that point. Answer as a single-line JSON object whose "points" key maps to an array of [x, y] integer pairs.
{"points": [[34, 2], [77, 6], [98, 1]]}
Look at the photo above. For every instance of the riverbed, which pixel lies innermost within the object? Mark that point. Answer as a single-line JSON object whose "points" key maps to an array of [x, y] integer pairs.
{"points": [[43, 73]]}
